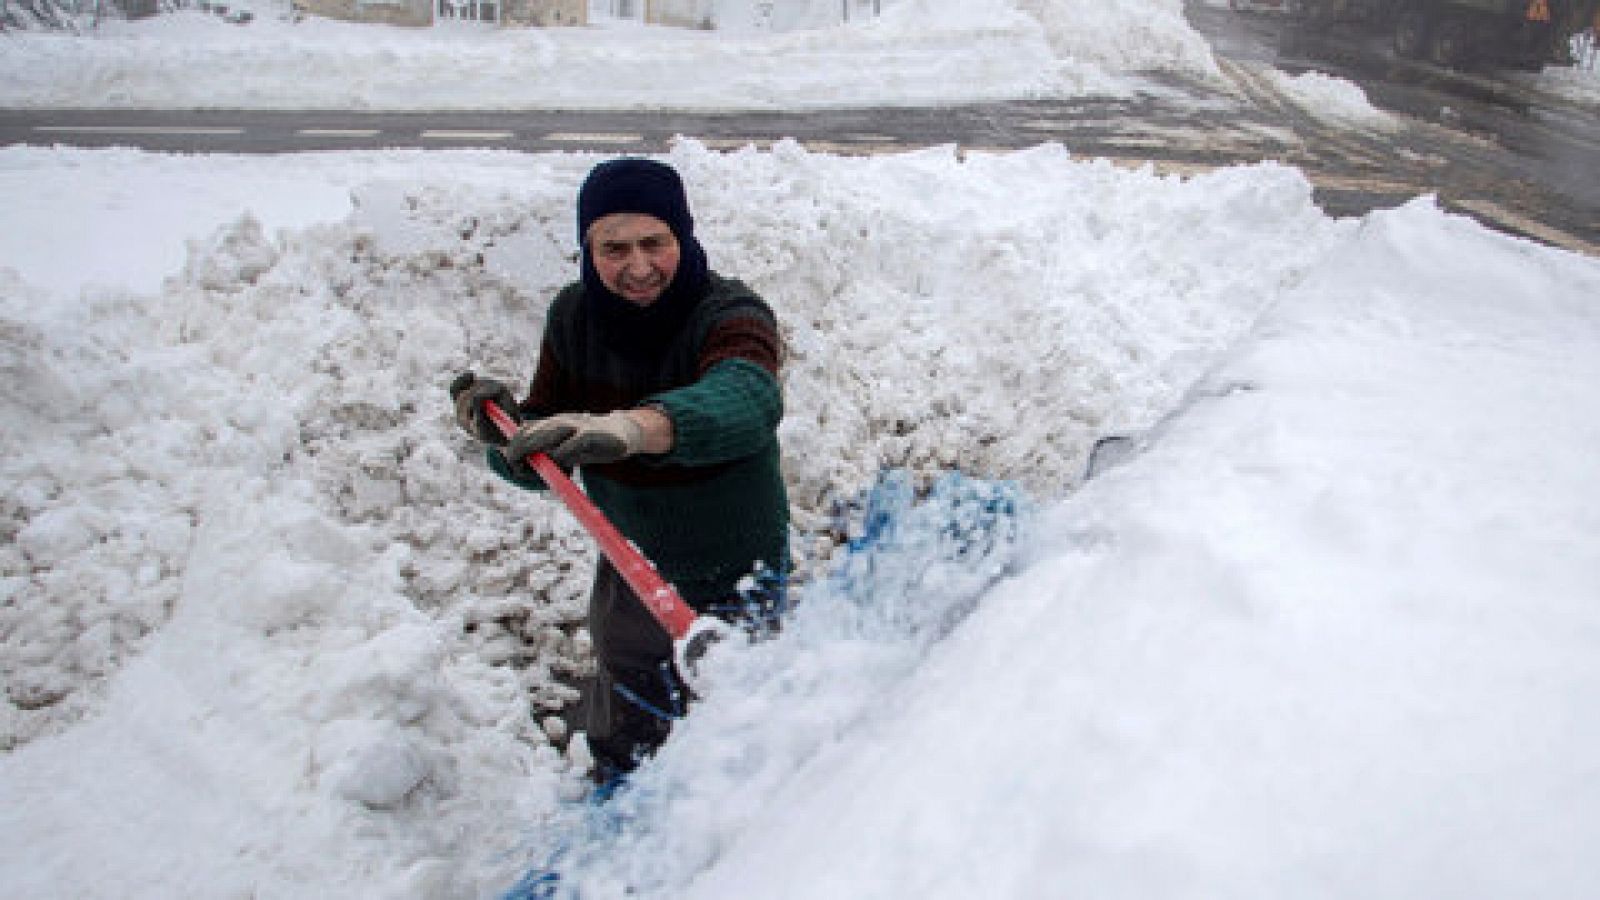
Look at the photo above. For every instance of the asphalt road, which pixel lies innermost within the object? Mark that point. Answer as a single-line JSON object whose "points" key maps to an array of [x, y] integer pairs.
{"points": [[1491, 143], [1488, 145]]}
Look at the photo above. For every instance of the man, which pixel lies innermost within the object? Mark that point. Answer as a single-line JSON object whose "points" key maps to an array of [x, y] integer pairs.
{"points": [[657, 379]]}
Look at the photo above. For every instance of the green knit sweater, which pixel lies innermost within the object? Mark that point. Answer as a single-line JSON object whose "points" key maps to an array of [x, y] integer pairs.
{"points": [[713, 508]]}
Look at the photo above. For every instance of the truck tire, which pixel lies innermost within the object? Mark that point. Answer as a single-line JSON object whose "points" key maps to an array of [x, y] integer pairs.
{"points": [[1411, 34]]}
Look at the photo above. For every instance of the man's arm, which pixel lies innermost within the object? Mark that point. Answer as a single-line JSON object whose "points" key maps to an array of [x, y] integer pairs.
{"points": [[730, 413], [733, 409]]}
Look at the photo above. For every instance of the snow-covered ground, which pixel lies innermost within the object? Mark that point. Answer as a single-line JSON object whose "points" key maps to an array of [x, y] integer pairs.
{"points": [[916, 53], [1579, 83], [269, 629]]}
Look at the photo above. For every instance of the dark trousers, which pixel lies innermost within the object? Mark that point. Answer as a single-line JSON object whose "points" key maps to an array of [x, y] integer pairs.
{"points": [[636, 692]]}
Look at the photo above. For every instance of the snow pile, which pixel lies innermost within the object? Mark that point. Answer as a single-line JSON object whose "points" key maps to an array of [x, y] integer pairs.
{"points": [[100, 233], [1330, 99], [893, 361], [163, 472], [1123, 35], [249, 553], [1023, 301], [918, 52], [1577, 83], [1333, 635]]}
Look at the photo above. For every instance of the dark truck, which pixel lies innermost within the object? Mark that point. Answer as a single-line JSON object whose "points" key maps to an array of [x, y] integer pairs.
{"points": [[1523, 34]]}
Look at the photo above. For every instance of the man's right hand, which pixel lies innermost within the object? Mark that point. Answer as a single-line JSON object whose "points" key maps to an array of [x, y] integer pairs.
{"points": [[469, 392]]}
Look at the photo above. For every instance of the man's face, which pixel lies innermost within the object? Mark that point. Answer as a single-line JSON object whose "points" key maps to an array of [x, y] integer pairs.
{"points": [[635, 254]]}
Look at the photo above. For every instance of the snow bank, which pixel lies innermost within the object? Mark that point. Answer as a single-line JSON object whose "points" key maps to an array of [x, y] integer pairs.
{"points": [[1333, 100], [245, 530], [1579, 84], [920, 52], [127, 232], [1334, 635], [1123, 35]]}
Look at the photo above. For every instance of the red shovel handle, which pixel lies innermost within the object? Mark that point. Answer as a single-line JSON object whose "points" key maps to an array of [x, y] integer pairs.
{"points": [[657, 595]]}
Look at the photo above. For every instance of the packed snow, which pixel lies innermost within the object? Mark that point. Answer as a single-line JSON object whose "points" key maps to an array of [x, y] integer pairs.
{"points": [[269, 628]]}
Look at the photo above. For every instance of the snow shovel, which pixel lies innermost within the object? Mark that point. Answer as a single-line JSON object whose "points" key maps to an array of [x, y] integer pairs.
{"points": [[692, 634]]}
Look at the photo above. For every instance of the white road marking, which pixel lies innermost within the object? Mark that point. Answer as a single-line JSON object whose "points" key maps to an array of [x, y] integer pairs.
{"points": [[446, 134], [339, 132], [135, 129], [583, 137]]}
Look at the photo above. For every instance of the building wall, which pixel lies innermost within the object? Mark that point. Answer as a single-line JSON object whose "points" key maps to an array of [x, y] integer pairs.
{"points": [[682, 13], [382, 12], [545, 13], [421, 13]]}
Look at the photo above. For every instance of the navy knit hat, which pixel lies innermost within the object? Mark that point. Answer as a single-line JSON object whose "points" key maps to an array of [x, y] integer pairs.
{"points": [[632, 185]]}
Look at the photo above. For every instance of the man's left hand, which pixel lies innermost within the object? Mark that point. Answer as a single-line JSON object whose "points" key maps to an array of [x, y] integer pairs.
{"points": [[577, 439]]}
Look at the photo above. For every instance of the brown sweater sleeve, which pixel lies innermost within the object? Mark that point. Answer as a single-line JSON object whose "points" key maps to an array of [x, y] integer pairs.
{"points": [[748, 337]]}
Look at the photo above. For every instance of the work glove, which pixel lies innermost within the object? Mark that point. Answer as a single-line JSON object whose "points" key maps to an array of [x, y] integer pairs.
{"points": [[469, 392], [577, 439]]}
